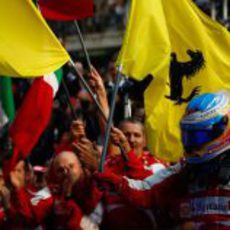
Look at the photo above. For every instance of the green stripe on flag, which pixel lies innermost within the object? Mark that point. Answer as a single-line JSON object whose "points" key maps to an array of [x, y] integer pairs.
{"points": [[6, 96], [59, 74]]}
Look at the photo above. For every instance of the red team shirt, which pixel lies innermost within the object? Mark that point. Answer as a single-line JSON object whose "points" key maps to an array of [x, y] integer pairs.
{"points": [[203, 208]]}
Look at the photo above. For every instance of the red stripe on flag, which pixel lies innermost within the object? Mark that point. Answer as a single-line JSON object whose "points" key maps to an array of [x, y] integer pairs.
{"points": [[32, 117], [66, 9]]}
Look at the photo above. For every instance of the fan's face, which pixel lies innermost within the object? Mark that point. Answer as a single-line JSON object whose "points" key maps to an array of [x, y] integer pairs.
{"points": [[67, 165], [135, 134]]}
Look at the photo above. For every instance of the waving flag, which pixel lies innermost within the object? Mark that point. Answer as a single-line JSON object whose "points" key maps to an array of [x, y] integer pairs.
{"points": [[33, 116], [190, 55], [66, 9], [28, 47], [146, 45]]}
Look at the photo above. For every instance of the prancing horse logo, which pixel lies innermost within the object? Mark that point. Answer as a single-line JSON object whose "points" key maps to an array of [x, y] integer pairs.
{"points": [[178, 70]]}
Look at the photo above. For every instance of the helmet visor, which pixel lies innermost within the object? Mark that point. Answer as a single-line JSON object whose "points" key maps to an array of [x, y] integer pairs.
{"points": [[196, 138]]}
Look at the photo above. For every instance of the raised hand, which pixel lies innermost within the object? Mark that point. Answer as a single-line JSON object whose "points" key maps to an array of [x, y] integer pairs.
{"points": [[87, 153], [97, 84], [18, 175], [119, 138], [108, 176]]}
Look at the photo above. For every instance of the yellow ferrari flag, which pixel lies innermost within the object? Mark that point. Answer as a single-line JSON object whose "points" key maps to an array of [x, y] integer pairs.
{"points": [[27, 45], [199, 62], [146, 45]]}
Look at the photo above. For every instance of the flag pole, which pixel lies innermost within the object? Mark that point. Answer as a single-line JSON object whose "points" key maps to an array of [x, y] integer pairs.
{"points": [[110, 120], [213, 9], [83, 45], [88, 89], [64, 84], [85, 83], [225, 10]]}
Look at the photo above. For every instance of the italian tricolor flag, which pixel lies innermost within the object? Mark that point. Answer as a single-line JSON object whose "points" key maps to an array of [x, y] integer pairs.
{"points": [[33, 116]]}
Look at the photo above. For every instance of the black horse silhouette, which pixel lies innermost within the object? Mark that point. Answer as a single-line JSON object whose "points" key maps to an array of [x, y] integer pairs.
{"points": [[178, 70]]}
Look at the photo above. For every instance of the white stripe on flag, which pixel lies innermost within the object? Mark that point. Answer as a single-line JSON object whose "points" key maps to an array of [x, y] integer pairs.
{"points": [[51, 80], [3, 118]]}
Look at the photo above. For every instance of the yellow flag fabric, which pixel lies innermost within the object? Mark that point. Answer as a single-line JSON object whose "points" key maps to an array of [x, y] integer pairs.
{"points": [[27, 45], [200, 62], [146, 46]]}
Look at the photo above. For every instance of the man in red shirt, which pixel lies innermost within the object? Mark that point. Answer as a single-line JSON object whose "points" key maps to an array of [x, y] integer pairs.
{"points": [[71, 182], [135, 134], [135, 164], [138, 164]]}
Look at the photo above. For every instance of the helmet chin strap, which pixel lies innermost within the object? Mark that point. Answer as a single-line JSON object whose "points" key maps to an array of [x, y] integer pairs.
{"points": [[213, 150]]}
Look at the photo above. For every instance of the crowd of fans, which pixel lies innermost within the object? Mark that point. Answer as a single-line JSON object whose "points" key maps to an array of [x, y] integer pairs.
{"points": [[129, 102], [59, 187], [53, 188]]}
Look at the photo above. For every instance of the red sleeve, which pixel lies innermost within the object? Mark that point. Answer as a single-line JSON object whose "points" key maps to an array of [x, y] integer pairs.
{"points": [[21, 203], [135, 168], [140, 198], [154, 190], [67, 214], [87, 194], [42, 209], [33, 213], [76, 216]]}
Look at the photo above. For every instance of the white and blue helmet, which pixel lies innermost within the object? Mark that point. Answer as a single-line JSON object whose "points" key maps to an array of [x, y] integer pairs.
{"points": [[205, 120]]}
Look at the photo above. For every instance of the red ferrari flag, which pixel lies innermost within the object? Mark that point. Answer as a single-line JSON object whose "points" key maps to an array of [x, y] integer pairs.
{"points": [[66, 9]]}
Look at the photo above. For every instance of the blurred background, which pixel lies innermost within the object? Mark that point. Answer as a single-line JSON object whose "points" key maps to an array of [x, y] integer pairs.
{"points": [[103, 33]]}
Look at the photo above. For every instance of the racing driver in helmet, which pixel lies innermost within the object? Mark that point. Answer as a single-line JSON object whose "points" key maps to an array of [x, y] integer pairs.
{"points": [[196, 191]]}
